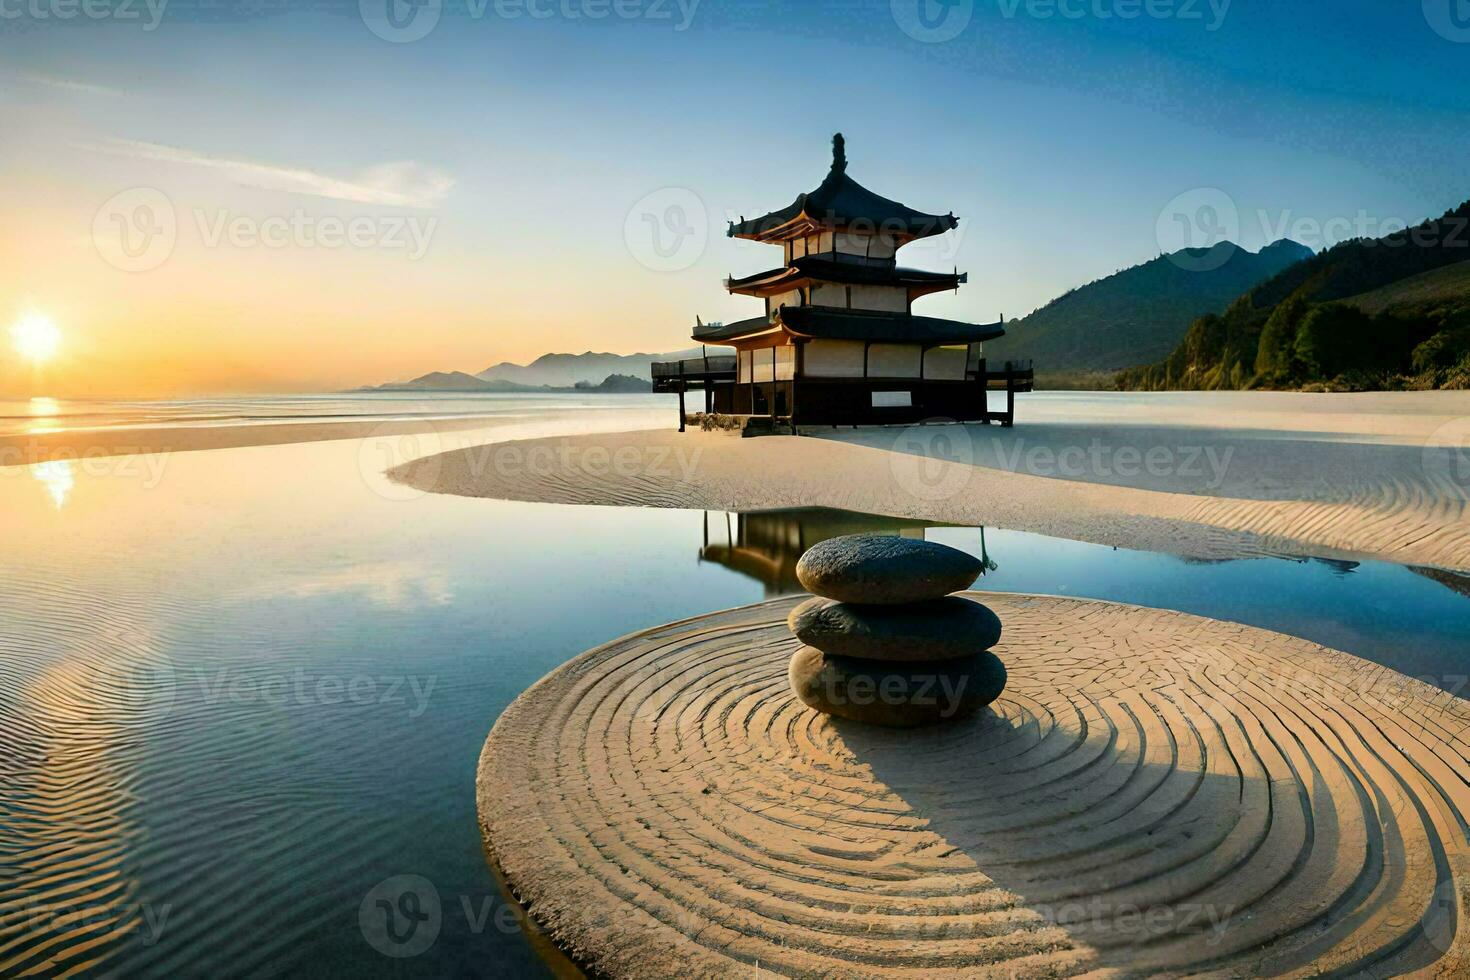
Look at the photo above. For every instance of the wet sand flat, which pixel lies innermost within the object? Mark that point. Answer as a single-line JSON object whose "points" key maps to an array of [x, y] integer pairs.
{"points": [[1144, 475]]}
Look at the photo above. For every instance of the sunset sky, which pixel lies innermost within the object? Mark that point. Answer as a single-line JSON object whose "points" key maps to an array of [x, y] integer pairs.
{"points": [[288, 201]]}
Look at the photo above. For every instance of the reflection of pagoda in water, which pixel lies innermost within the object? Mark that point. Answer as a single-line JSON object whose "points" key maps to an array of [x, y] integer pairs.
{"points": [[766, 545]]}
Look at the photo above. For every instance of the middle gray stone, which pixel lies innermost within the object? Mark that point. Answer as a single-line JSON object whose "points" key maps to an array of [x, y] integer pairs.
{"points": [[941, 629]]}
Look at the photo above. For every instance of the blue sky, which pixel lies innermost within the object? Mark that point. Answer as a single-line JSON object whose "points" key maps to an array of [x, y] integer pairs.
{"points": [[1063, 133]]}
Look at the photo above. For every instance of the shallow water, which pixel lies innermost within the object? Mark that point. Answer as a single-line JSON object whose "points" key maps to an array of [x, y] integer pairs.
{"points": [[242, 690]]}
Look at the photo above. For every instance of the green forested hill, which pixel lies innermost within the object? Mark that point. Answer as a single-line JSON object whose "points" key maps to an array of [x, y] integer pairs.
{"points": [[1448, 283], [1312, 325], [1140, 314]]}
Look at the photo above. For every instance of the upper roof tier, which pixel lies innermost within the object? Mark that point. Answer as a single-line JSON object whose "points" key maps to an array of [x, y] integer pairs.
{"points": [[842, 204], [815, 268]]}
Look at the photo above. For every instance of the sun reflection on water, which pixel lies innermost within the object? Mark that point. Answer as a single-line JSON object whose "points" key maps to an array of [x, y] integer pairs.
{"points": [[44, 412], [57, 477]]}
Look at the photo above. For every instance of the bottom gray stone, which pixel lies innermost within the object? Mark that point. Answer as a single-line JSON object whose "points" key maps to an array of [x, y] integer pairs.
{"points": [[896, 695]]}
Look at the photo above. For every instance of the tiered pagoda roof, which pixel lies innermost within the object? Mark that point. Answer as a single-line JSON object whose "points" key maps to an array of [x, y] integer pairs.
{"points": [[840, 323], [841, 203], [834, 267]]}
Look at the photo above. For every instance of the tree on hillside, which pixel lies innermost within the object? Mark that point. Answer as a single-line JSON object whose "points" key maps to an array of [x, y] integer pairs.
{"points": [[1278, 339]]}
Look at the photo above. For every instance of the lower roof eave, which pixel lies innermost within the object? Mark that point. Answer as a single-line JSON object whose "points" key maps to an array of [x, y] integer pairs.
{"points": [[833, 323]]}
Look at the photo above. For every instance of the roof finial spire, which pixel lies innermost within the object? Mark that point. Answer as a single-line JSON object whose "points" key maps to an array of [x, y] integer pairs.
{"points": [[839, 154]]}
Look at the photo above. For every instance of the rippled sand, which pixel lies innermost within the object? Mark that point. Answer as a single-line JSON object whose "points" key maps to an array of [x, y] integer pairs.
{"points": [[1155, 794], [1206, 475]]}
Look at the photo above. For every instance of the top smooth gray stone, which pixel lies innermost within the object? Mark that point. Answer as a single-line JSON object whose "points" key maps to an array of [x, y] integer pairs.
{"points": [[876, 569]]}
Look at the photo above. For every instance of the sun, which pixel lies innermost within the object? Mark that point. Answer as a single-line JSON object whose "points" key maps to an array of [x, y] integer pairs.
{"points": [[36, 338]]}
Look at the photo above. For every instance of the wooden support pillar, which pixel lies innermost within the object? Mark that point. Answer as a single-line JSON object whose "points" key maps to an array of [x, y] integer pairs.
{"points": [[709, 397], [1010, 396], [775, 388], [796, 372], [682, 417], [984, 393]]}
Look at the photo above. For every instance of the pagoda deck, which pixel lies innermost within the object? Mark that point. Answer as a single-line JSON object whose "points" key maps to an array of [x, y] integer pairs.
{"points": [[845, 401]]}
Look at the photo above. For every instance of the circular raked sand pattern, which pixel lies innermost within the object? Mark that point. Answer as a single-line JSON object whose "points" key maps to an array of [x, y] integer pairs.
{"points": [[1153, 793]]}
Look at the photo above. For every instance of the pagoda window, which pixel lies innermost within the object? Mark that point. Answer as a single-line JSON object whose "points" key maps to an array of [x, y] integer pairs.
{"points": [[833, 359], [772, 363], [829, 294], [791, 297], [890, 299], [894, 360], [945, 363], [818, 244], [867, 246], [785, 362]]}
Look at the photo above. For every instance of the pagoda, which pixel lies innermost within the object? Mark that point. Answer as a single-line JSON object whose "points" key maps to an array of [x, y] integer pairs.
{"points": [[838, 342]]}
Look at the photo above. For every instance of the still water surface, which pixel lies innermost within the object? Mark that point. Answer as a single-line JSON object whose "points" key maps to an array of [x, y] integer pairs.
{"points": [[239, 692]]}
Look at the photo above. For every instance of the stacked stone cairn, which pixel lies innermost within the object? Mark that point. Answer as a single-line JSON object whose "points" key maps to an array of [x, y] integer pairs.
{"points": [[885, 641]]}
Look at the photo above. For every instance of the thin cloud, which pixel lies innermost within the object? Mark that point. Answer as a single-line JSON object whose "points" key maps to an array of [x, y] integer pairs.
{"points": [[400, 184], [72, 85]]}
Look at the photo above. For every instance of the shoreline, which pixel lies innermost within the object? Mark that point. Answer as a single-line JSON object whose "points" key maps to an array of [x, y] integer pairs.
{"points": [[1383, 489], [82, 444]]}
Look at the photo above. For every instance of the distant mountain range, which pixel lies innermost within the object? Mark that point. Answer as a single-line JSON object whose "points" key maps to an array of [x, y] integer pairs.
{"points": [[616, 384], [1139, 315], [591, 371], [564, 370], [1391, 312]]}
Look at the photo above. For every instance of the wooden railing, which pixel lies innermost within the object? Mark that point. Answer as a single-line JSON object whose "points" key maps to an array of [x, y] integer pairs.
{"points": [[695, 367]]}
